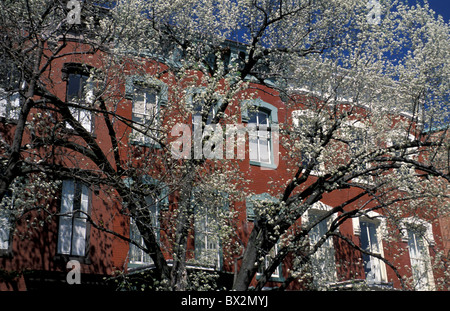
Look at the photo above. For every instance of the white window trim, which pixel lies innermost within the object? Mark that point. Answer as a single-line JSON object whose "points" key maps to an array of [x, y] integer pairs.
{"points": [[83, 116], [67, 202], [272, 130], [295, 122], [320, 208], [428, 239], [150, 120], [161, 202], [413, 150], [9, 105], [5, 231], [381, 231], [276, 276]]}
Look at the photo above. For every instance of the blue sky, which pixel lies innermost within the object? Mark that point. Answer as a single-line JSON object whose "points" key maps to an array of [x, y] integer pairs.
{"points": [[441, 7]]}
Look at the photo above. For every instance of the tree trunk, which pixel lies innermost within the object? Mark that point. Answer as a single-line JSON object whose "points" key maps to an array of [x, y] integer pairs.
{"points": [[250, 257], [184, 217]]}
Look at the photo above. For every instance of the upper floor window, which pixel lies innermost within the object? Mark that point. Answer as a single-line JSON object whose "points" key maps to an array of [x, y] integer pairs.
{"points": [[145, 115], [307, 124], [200, 104], [148, 96], [10, 83], [80, 94], [73, 227], [260, 142], [262, 127]]}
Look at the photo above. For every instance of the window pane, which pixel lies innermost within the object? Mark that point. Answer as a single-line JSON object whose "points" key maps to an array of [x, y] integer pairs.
{"points": [[5, 228], [79, 237], [64, 235], [373, 238], [252, 117], [74, 87], [263, 118], [253, 148], [264, 150], [139, 104]]}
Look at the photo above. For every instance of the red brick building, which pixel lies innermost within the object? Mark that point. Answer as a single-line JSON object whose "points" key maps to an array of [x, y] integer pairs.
{"points": [[35, 250]]}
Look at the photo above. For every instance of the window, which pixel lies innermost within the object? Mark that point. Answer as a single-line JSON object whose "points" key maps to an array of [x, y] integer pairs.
{"points": [[418, 234], [276, 275], [207, 242], [370, 229], [208, 209], [7, 217], [72, 234], [371, 243], [255, 202], [137, 255], [80, 92], [360, 143], [156, 201], [145, 115], [260, 146], [5, 230], [262, 127], [420, 261], [148, 95], [196, 99], [9, 105], [323, 264], [10, 82], [305, 125]]}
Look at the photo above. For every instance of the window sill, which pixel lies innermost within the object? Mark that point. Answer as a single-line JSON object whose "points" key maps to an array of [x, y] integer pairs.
{"points": [[261, 164], [66, 258], [279, 279], [6, 253], [145, 144]]}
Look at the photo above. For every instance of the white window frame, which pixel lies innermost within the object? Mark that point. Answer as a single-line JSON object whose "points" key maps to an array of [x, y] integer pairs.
{"points": [[207, 241], [155, 204], [9, 105], [73, 233], [296, 115], [276, 275], [5, 230], [259, 132], [148, 128], [142, 257], [204, 230], [409, 229], [85, 97], [325, 255], [380, 275]]}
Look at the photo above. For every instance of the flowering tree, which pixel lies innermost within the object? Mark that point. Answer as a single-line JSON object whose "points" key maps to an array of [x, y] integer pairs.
{"points": [[366, 83]]}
